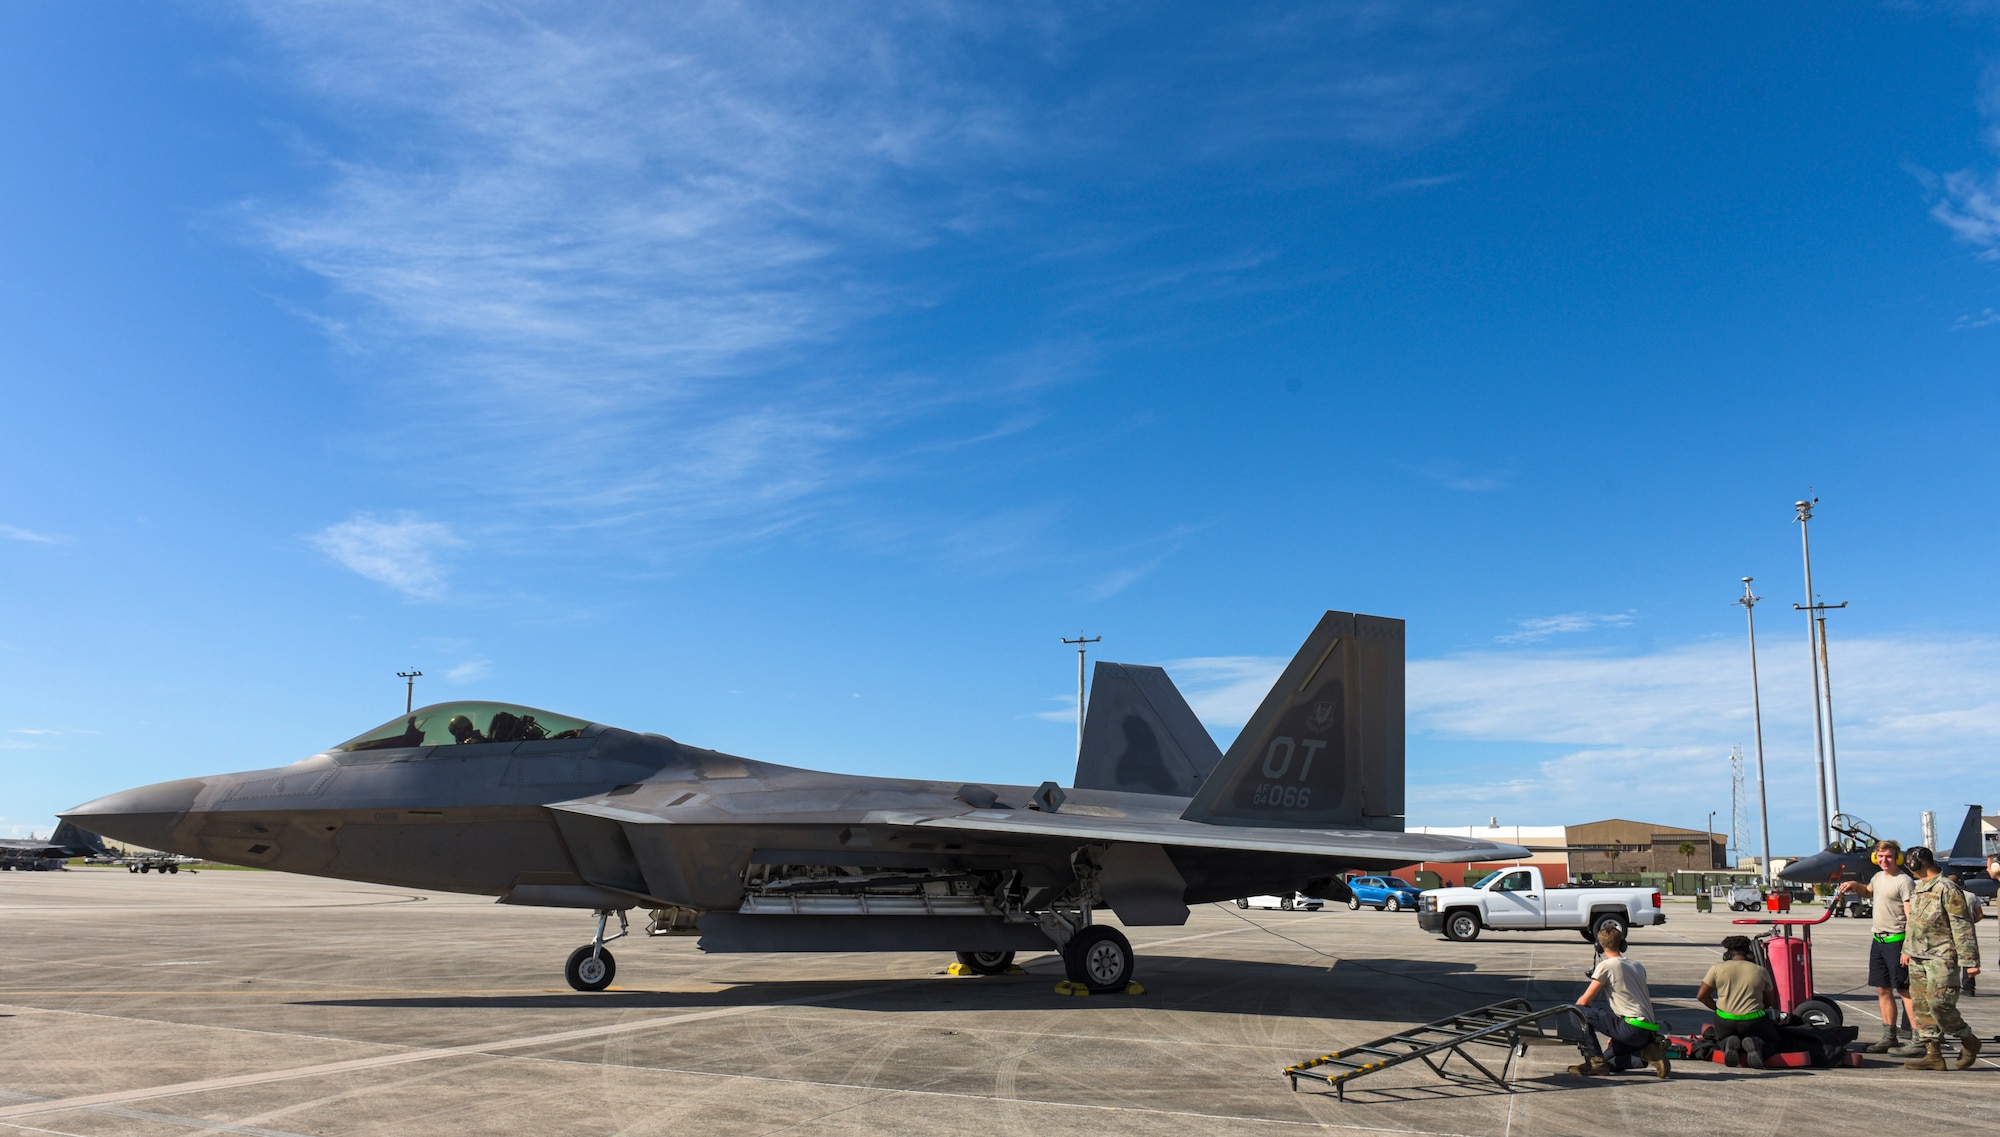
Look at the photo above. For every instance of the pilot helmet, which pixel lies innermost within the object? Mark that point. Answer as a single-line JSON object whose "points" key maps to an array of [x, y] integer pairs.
{"points": [[461, 728]]}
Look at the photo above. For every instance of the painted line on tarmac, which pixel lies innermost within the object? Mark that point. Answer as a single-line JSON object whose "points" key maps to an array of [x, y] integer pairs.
{"points": [[323, 1069], [1185, 939], [158, 1118], [1237, 1120]]}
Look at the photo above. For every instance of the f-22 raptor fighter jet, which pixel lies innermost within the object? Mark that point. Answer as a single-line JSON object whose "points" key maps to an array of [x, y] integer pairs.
{"points": [[535, 808]]}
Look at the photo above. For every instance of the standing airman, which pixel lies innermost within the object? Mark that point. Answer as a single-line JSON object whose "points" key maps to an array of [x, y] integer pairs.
{"points": [[1938, 944]]}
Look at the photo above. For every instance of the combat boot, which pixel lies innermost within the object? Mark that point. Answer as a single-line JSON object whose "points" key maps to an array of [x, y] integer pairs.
{"points": [[1968, 1050], [1914, 1048], [1886, 1043], [1656, 1054], [1590, 1066], [1933, 1058]]}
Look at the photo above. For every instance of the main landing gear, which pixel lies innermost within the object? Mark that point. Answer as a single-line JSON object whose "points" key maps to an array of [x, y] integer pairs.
{"points": [[590, 967], [1100, 958]]}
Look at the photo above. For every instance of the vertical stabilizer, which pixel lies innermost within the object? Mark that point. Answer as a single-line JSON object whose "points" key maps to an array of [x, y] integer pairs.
{"points": [[1325, 747], [1971, 843], [77, 842], [1139, 735]]}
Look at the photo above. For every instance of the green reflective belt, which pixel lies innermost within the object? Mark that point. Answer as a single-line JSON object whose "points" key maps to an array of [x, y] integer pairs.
{"points": [[1642, 1024], [1738, 1018], [1888, 937]]}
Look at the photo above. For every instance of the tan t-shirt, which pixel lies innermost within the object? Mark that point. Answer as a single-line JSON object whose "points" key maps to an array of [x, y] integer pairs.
{"points": [[1890, 893], [1739, 988], [1625, 979]]}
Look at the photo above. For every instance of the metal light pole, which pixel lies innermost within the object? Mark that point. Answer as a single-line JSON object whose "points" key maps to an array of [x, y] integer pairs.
{"points": [[1710, 835], [1812, 649], [409, 679], [1082, 645], [1749, 603], [1826, 678], [1816, 610]]}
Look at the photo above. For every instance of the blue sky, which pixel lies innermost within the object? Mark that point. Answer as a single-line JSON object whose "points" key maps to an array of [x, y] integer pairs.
{"points": [[789, 379]]}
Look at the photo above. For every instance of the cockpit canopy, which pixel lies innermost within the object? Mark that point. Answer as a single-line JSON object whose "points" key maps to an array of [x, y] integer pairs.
{"points": [[1851, 834], [461, 724]]}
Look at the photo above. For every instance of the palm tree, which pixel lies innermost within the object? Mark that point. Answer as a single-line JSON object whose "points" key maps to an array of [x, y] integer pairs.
{"points": [[1687, 853]]}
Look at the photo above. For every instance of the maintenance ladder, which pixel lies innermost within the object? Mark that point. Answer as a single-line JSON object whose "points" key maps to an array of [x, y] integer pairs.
{"points": [[1510, 1023]]}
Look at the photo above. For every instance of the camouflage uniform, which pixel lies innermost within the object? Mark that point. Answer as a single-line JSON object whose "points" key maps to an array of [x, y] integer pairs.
{"points": [[1939, 942]]}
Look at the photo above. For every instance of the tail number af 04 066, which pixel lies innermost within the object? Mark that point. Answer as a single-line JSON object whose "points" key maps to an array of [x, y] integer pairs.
{"points": [[1284, 797]]}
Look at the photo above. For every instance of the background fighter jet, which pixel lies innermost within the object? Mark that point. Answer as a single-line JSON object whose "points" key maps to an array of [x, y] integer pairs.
{"points": [[66, 842], [1848, 857], [535, 808]]}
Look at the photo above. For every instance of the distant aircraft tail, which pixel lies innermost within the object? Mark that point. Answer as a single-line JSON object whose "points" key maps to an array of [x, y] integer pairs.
{"points": [[1325, 747], [1139, 735], [1971, 843], [77, 842]]}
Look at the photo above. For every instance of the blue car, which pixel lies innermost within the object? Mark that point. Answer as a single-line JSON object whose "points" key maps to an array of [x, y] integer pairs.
{"points": [[1390, 893]]}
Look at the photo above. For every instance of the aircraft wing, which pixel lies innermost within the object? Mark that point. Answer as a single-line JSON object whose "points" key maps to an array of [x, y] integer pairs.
{"points": [[1359, 844]]}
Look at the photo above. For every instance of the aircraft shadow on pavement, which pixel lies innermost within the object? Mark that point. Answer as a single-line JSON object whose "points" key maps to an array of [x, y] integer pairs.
{"points": [[1358, 990]]}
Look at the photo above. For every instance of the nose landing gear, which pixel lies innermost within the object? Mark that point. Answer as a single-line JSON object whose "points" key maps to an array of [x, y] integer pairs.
{"points": [[591, 967]]}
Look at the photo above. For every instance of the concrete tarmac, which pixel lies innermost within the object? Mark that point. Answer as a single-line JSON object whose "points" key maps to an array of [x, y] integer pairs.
{"points": [[266, 1004]]}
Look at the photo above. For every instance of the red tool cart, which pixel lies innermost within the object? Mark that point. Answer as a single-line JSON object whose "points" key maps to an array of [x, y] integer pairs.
{"points": [[1788, 958]]}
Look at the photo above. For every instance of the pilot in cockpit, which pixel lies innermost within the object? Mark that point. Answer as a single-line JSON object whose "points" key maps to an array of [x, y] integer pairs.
{"points": [[462, 729]]}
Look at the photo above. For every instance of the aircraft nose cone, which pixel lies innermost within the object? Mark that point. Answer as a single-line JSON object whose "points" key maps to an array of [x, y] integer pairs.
{"points": [[1806, 870], [145, 816]]}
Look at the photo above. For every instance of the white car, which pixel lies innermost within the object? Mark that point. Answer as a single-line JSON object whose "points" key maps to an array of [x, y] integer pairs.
{"points": [[1295, 901]]}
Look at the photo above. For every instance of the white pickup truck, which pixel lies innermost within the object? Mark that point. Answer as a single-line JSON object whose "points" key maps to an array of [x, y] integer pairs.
{"points": [[1516, 900]]}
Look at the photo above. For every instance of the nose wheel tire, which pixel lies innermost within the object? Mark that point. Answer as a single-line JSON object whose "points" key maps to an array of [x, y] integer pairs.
{"points": [[1100, 958], [987, 962], [588, 972]]}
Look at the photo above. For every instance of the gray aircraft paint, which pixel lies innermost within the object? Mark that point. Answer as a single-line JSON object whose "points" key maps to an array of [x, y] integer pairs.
{"points": [[1139, 735], [1326, 745], [754, 856]]}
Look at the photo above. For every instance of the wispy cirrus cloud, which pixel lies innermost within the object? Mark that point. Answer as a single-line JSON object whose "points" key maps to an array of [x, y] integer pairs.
{"points": [[402, 553], [16, 533], [1224, 690], [1538, 628], [1454, 477], [635, 258], [1965, 201], [470, 671]]}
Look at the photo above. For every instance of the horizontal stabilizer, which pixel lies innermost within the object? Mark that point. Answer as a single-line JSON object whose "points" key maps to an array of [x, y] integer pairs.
{"points": [[1325, 748], [1140, 736]]}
